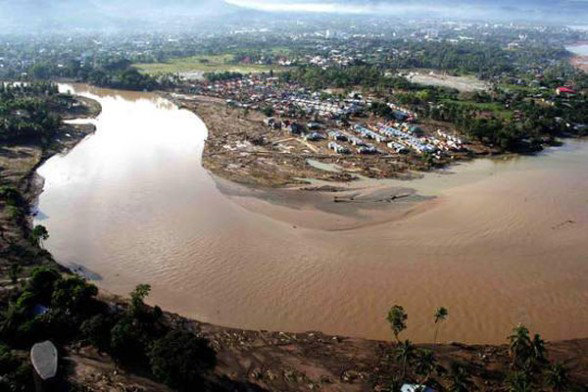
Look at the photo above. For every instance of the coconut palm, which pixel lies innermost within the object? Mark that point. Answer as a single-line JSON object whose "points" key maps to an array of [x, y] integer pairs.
{"points": [[440, 316], [397, 319], [520, 346], [557, 377]]}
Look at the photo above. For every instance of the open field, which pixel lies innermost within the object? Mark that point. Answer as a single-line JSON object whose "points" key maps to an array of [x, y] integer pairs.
{"points": [[461, 83], [195, 66]]}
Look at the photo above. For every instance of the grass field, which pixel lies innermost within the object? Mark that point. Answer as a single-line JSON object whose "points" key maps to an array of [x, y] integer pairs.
{"points": [[203, 64], [495, 108]]}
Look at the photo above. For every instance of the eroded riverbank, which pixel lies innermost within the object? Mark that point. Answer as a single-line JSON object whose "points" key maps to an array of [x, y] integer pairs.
{"points": [[501, 243]]}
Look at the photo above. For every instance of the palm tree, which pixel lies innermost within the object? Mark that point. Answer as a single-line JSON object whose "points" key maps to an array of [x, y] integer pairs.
{"points": [[538, 351], [397, 319], [520, 346], [405, 353], [557, 377], [440, 315]]}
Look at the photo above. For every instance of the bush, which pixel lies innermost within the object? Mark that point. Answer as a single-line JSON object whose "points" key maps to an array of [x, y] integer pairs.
{"points": [[96, 331], [180, 359]]}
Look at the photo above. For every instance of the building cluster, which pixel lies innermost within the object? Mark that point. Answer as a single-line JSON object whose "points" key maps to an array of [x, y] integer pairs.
{"points": [[332, 108]]}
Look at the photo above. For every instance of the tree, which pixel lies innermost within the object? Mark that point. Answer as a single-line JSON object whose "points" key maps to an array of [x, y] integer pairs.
{"points": [[440, 315], [40, 285], [397, 318], [538, 351], [520, 346], [39, 234], [138, 296], [96, 331], [180, 359], [557, 377]]}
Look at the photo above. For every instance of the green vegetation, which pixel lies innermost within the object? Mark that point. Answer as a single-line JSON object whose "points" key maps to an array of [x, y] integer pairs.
{"points": [[205, 64], [65, 309], [397, 319], [25, 112], [529, 367], [440, 316]]}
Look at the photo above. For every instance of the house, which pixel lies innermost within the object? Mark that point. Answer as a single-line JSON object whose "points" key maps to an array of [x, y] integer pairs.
{"points": [[314, 125], [399, 148], [314, 136], [367, 150], [337, 135], [339, 149], [564, 91]]}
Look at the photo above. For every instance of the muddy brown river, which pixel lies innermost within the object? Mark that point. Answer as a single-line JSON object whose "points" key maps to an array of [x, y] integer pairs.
{"points": [[501, 241]]}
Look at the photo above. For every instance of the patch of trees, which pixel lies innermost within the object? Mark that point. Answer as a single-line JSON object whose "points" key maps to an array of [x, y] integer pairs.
{"points": [[25, 112], [222, 76], [529, 368], [115, 73], [513, 124], [65, 309]]}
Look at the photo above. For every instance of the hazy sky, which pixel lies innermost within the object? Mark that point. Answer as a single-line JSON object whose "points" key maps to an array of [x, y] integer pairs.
{"points": [[449, 7]]}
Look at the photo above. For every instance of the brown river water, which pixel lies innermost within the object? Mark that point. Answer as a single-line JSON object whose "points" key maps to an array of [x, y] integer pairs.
{"points": [[502, 241]]}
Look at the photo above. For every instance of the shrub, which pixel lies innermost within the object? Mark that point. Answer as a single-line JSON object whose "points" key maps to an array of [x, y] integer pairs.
{"points": [[180, 359]]}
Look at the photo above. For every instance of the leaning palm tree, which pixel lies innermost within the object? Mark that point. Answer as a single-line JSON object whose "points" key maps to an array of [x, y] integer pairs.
{"points": [[520, 346], [440, 315], [557, 377]]}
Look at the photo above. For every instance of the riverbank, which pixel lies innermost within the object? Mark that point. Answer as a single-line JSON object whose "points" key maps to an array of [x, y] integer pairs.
{"points": [[312, 361], [19, 163], [240, 147]]}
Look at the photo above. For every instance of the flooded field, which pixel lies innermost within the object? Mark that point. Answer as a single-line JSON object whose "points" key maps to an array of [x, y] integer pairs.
{"points": [[497, 242]]}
